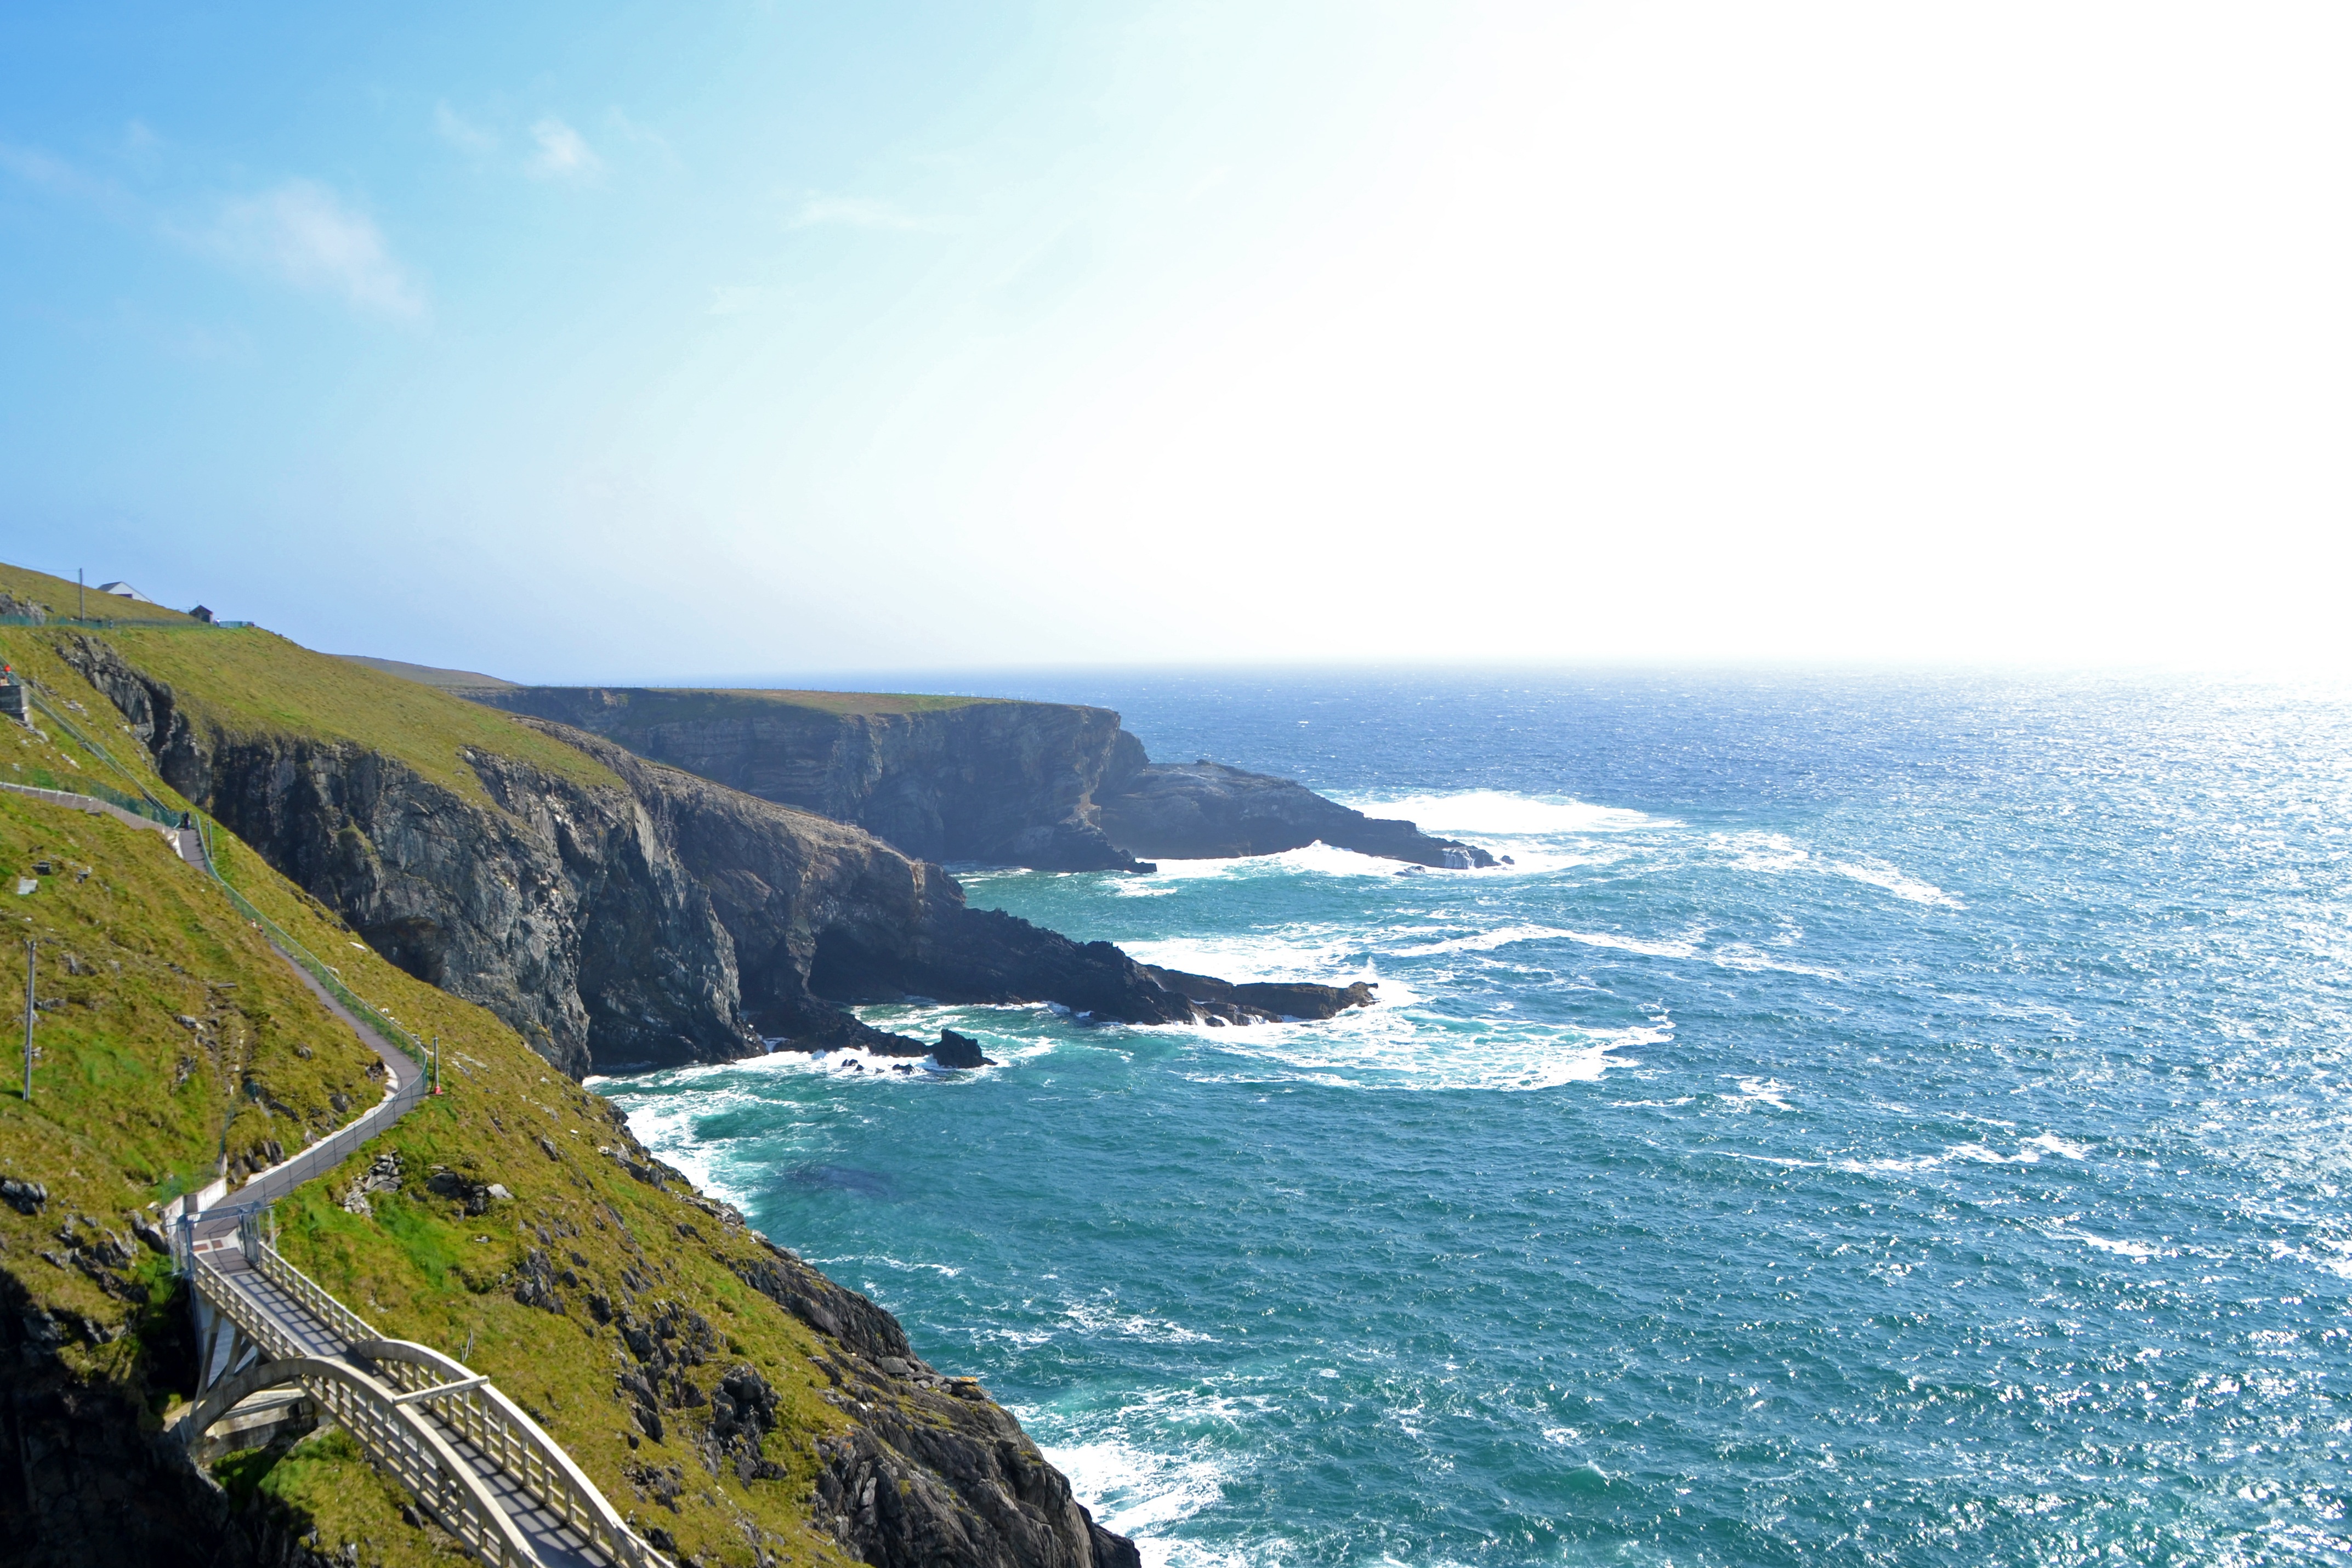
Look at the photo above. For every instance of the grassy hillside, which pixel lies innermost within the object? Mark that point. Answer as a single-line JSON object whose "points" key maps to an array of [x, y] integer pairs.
{"points": [[673, 705], [60, 594], [433, 674], [170, 1032], [603, 1294], [170, 1037], [255, 682], [420, 1269], [131, 1104]]}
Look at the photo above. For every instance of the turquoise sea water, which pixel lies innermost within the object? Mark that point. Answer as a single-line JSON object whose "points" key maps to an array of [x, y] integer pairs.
{"points": [[1877, 1120]]}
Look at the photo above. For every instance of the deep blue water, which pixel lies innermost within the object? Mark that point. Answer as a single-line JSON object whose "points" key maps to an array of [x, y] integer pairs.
{"points": [[1878, 1120]]}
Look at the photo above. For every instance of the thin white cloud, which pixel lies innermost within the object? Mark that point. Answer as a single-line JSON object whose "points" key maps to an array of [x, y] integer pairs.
{"points": [[301, 232], [563, 153], [463, 133], [860, 212], [640, 135]]}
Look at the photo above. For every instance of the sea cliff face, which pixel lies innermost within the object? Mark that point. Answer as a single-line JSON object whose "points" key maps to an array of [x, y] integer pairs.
{"points": [[1058, 787], [1009, 783], [653, 920]]}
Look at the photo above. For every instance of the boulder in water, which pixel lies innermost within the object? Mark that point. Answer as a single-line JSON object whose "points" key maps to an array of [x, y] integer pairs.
{"points": [[956, 1050]]}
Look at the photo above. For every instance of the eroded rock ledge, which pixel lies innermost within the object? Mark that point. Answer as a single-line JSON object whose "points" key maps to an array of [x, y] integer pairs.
{"points": [[659, 919], [1057, 786]]}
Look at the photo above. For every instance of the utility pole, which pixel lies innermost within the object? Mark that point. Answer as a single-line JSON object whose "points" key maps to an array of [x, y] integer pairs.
{"points": [[81, 597], [32, 952], [436, 1064]]}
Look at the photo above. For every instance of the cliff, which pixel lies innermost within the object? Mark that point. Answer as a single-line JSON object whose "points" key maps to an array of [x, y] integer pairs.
{"points": [[1207, 810], [740, 1407], [940, 778], [616, 914], [1055, 785]]}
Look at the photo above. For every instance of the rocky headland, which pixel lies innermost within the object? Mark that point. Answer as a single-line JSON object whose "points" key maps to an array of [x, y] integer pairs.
{"points": [[1058, 787], [619, 914]]}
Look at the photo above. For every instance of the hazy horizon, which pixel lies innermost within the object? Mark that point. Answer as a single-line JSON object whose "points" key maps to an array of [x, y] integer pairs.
{"points": [[558, 343]]}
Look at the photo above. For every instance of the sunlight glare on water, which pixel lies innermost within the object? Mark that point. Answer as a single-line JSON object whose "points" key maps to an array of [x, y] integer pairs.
{"points": [[1875, 1120]]}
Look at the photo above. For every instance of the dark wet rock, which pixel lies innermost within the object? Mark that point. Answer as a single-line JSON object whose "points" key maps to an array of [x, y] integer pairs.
{"points": [[474, 1195], [1207, 810], [25, 1197], [1283, 1000], [956, 1050], [536, 1286]]}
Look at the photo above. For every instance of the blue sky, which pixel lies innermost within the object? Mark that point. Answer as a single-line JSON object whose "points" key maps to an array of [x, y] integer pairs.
{"points": [[653, 342]]}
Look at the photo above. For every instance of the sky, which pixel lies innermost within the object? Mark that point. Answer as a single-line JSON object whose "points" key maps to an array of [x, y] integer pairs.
{"points": [[620, 343]]}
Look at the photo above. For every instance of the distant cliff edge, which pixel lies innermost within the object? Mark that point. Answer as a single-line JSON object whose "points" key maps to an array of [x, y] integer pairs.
{"points": [[1056, 785]]}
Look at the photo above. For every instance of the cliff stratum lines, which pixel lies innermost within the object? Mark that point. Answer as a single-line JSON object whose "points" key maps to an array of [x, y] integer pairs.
{"points": [[617, 913], [1058, 787]]}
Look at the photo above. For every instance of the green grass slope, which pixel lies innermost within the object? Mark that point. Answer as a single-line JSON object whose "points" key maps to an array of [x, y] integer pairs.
{"points": [[651, 705], [169, 1031], [250, 682], [61, 595], [420, 1267]]}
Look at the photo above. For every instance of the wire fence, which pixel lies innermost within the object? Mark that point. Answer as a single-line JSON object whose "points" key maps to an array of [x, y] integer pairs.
{"points": [[274, 1183], [154, 807], [123, 622], [375, 1017]]}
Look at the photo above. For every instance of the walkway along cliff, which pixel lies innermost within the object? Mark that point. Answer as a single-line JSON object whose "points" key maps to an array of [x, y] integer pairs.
{"points": [[727, 1401]]}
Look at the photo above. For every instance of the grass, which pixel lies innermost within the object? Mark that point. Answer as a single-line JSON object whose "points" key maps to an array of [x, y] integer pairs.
{"points": [[255, 683], [676, 705], [114, 1126], [418, 1268], [130, 1106], [61, 595]]}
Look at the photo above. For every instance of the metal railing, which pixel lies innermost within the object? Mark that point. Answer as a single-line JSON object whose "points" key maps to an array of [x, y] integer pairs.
{"points": [[479, 1411], [322, 1156]]}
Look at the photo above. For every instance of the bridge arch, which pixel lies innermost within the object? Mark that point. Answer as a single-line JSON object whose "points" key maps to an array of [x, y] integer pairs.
{"points": [[454, 1487]]}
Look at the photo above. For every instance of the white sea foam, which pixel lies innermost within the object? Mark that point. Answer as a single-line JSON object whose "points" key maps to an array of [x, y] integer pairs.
{"points": [[1101, 1318], [1879, 874], [1134, 1489], [1760, 1091], [1685, 946], [1739, 955], [2058, 1145], [1503, 813], [1762, 851], [1388, 1049], [1299, 953], [2139, 1250]]}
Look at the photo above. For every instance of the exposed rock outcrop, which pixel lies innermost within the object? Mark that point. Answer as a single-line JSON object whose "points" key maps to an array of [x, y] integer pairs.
{"points": [[1008, 783], [1056, 785], [656, 920], [1207, 810], [820, 913]]}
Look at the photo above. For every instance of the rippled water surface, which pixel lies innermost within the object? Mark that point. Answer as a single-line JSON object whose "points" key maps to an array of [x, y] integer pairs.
{"points": [[1876, 1120]]}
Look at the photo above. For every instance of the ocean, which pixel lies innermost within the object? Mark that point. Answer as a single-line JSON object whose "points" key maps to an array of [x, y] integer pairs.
{"points": [[1877, 1119]]}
